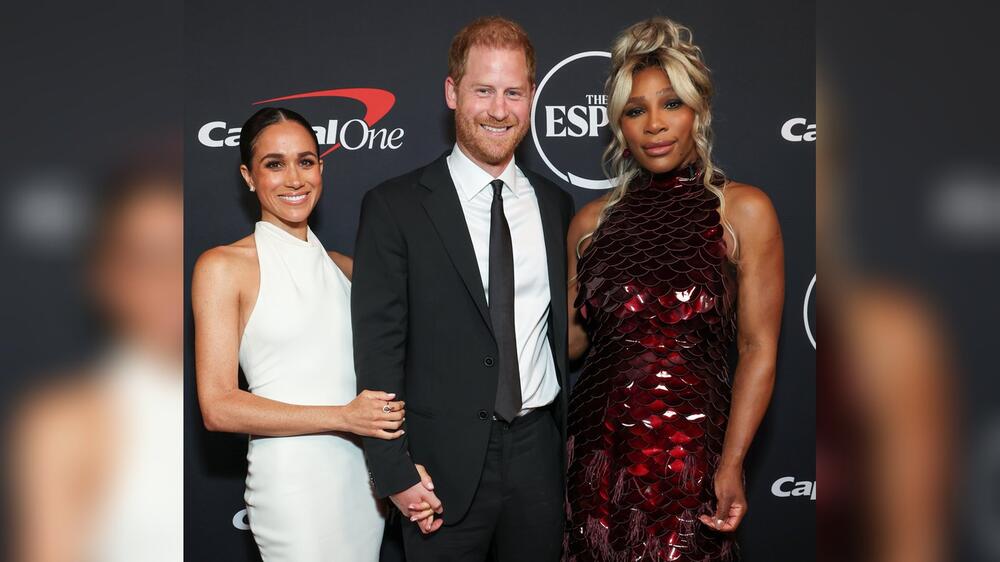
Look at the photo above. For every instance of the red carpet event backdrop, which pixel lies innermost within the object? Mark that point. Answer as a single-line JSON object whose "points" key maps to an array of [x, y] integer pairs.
{"points": [[370, 78]]}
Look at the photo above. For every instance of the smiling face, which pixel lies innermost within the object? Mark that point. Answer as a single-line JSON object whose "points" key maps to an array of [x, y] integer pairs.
{"points": [[285, 172], [658, 127], [492, 103]]}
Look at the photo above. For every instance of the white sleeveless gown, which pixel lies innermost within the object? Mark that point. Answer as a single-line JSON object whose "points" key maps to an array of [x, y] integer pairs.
{"points": [[308, 497]]}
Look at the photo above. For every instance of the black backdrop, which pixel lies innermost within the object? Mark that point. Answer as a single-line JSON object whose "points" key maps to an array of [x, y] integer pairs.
{"points": [[364, 58]]}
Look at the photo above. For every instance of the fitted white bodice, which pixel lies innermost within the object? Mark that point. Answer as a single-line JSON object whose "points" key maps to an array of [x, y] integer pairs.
{"points": [[295, 347]]}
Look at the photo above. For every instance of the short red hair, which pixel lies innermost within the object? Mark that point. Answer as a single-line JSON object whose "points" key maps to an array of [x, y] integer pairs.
{"points": [[493, 32]]}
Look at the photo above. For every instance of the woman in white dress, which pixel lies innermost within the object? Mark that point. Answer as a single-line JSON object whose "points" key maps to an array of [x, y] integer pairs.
{"points": [[278, 303]]}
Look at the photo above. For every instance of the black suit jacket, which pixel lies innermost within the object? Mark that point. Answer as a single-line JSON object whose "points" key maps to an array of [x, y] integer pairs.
{"points": [[422, 328]]}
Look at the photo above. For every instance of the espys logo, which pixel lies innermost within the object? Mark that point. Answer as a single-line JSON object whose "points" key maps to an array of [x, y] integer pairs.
{"points": [[788, 486], [569, 119], [353, 134], [798, 129]]}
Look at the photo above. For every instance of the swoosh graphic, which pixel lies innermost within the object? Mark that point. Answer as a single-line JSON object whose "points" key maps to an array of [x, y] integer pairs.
{"points": [[377, 103]]}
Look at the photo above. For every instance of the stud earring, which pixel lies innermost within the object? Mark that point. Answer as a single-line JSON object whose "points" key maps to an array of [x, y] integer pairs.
{"points": [[251, 188], [626, 154]]}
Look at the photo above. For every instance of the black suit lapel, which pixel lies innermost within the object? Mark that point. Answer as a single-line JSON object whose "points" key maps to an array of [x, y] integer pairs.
{"points": [[445, 211]]}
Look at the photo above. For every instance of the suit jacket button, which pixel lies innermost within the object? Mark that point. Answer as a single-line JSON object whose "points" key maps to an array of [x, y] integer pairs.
{"points": [[483, 414], [488, 361]]}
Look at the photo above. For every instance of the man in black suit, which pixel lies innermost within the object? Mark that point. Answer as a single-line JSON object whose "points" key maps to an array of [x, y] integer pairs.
{"points": [[459, 307]]}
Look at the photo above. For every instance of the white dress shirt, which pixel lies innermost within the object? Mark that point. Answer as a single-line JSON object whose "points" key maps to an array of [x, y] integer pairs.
{"points": [[532, 300]]}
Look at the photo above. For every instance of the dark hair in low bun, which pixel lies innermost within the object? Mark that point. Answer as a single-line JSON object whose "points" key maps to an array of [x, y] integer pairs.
{"points": [[263, 119]]}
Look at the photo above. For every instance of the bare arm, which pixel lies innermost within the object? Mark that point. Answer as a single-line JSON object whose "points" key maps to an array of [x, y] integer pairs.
{"points": [[761, 299], [582, 226], [226, 407], [760, 302]]}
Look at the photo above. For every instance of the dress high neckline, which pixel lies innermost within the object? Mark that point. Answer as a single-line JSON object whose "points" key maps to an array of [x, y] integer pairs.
{"points": [[686, 175], [283, 235]]}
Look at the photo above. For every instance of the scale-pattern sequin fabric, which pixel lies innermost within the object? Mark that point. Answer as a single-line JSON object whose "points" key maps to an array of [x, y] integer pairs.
{"points": [[649, 411]]}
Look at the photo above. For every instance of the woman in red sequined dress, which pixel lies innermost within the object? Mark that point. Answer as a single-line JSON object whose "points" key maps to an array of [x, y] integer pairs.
{"points": [[669, 270]]}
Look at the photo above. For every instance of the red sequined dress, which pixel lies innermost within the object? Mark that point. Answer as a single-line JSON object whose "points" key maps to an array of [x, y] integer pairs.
{"points": [[648, 414]]}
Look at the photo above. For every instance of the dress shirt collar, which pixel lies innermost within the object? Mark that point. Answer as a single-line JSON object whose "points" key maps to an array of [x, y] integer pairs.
{"points": [[471, 179]]}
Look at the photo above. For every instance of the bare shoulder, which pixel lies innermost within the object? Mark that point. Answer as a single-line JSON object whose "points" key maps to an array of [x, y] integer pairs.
{"points": [[226, 264], [750, 211], [344, 262], [585, 221], [747, 202], [227, 258]]}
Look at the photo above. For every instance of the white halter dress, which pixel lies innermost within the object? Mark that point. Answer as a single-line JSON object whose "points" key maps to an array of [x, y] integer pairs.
{"points": [[308, 496]]}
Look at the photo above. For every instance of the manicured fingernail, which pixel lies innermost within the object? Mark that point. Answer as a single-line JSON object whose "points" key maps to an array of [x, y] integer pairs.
{"points": [[392, 394]]}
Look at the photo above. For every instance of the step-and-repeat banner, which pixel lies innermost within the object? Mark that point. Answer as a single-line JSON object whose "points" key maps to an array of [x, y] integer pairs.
{"points": [[370, 77]]}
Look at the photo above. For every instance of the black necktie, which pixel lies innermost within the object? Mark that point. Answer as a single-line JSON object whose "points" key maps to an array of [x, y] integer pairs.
{"points": [[501, 291]]}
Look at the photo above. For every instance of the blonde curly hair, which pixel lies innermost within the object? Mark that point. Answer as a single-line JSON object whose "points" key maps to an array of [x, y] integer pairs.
{"points": [[659, 43]]}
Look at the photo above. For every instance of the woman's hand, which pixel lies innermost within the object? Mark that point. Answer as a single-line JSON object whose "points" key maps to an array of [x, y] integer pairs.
{"points": [[732, 502], [422, 513], [373, 414]]}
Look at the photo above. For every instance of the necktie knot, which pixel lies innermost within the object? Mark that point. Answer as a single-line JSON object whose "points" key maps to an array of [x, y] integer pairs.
{"points": [[497, 186]]}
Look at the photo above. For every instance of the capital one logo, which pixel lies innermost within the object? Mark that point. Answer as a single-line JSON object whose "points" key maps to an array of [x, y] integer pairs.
{"points": [[798, 129], [351, 134], [569, 119], [788, 486]]}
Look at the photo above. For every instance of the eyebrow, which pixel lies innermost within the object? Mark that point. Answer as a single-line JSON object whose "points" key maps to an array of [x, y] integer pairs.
{"points": [[637, 99], [508, 88], [277, 155]]}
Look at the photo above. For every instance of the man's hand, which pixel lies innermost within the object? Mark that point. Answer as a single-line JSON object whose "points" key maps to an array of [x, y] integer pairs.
{"points": [[419, 503]]}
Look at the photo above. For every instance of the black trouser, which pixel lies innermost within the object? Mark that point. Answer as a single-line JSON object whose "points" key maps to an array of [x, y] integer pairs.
{"points": [[517, 513]]}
